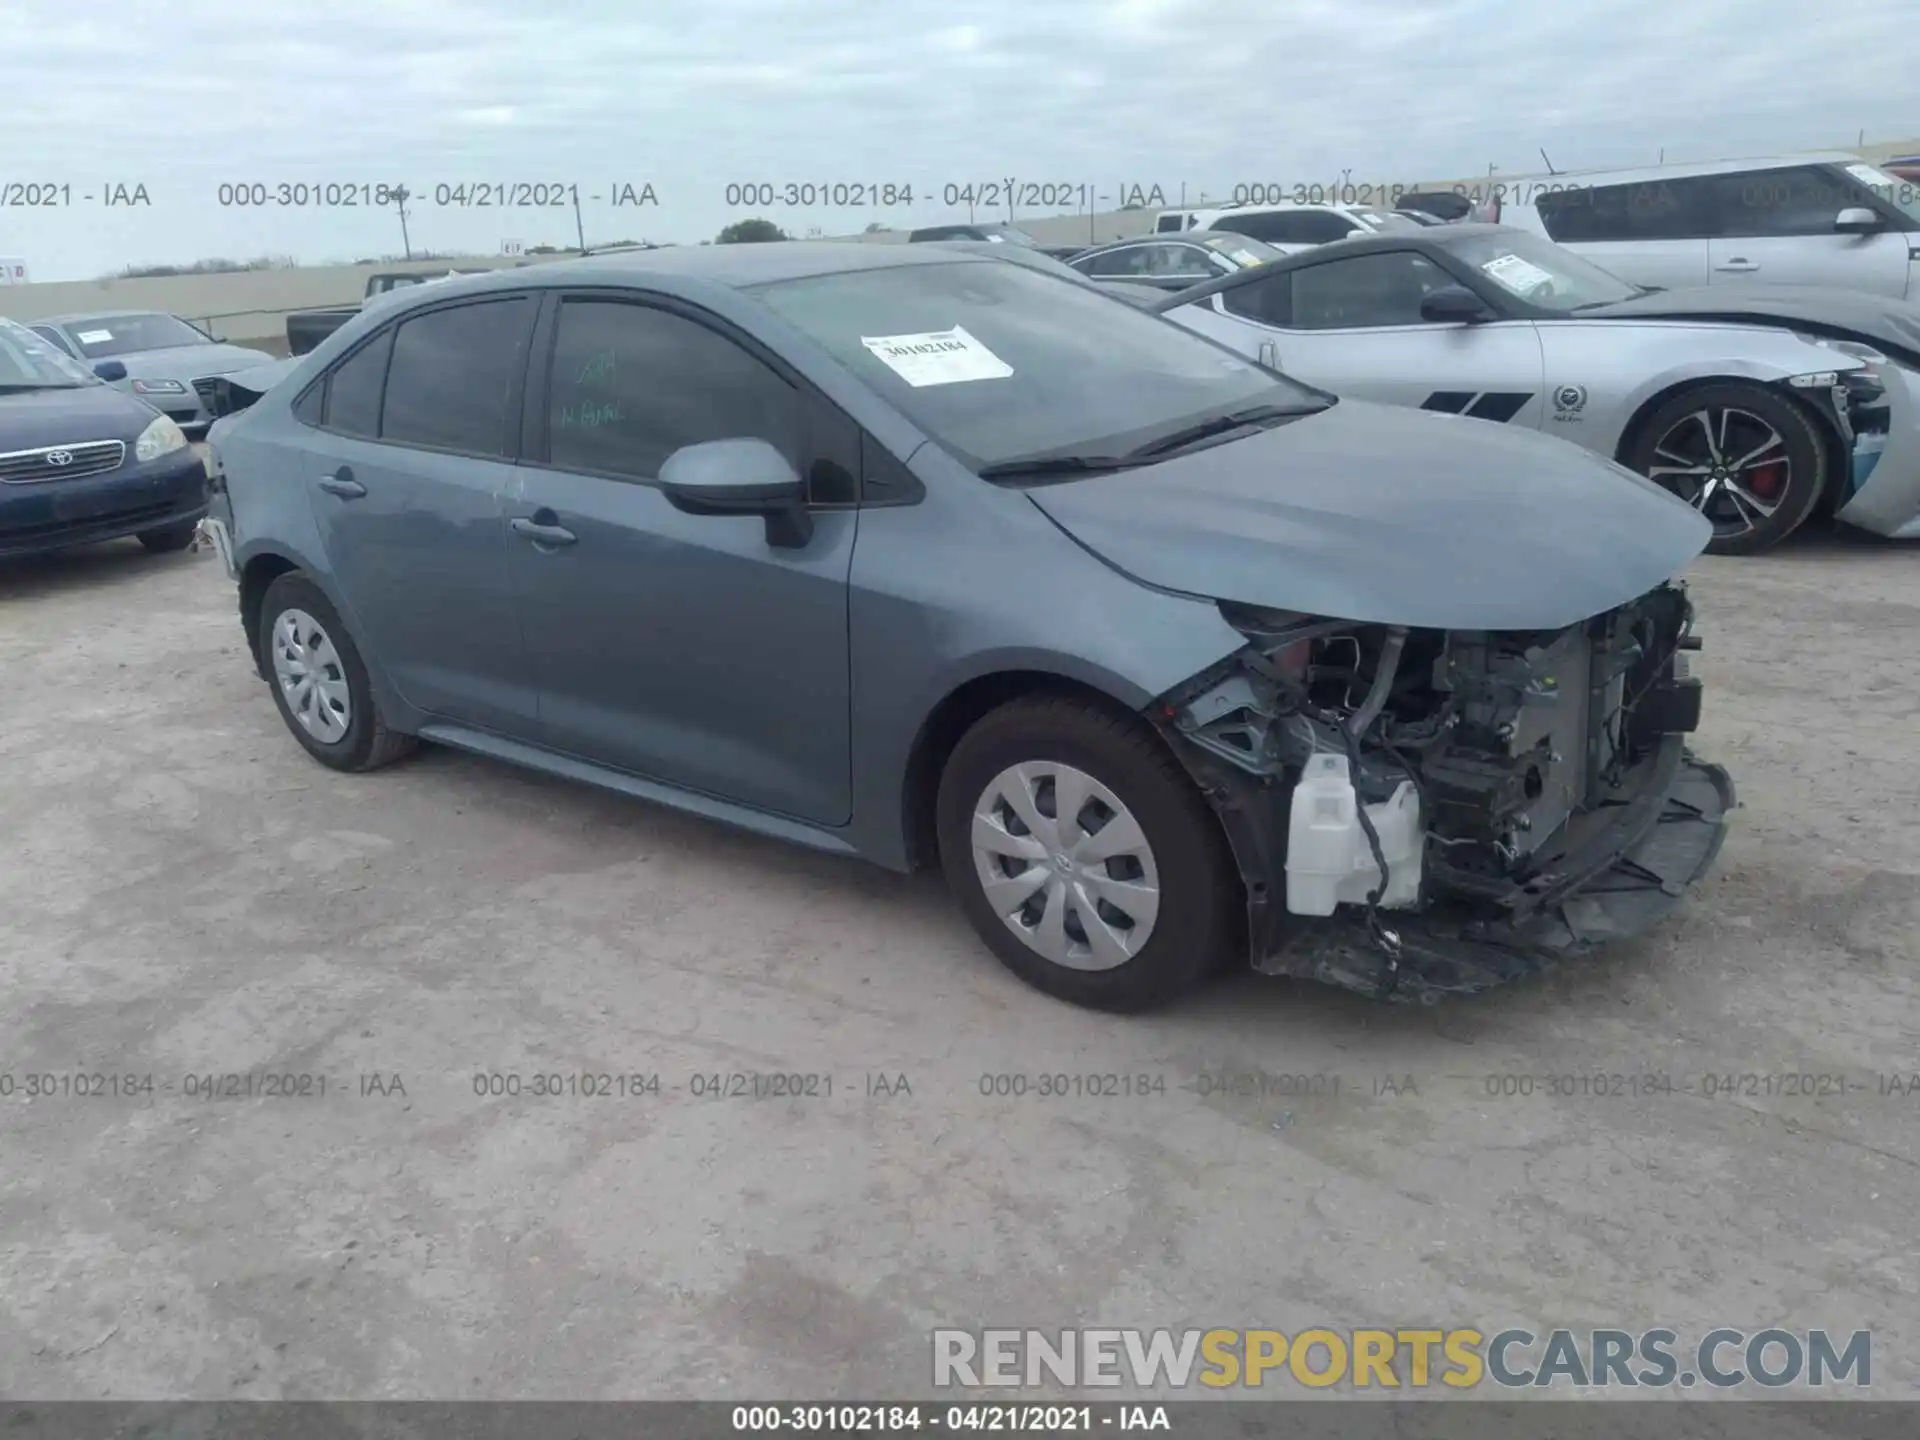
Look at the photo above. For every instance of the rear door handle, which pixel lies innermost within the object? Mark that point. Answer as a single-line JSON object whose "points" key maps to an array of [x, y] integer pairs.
{"points": [[342, 483], [542, 534], [1739, 264]]}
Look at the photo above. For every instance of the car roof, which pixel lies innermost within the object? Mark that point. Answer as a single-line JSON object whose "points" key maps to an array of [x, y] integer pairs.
{"points": [[737, 266], [1684, 169]]}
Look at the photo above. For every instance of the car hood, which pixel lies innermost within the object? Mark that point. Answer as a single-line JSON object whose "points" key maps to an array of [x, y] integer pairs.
{"points": [[32, 418], [1892, 325], [182, 362], [1386, 515]]}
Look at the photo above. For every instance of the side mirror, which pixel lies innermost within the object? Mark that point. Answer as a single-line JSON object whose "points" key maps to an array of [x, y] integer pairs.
{"points": [[1453, 305], [1857, 220], [740, 477], [110, 371]]}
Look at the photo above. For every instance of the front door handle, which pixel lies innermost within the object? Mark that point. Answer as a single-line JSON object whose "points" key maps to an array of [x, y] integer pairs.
{"points": [[542, 534], [1738, 264], [342, 483]]}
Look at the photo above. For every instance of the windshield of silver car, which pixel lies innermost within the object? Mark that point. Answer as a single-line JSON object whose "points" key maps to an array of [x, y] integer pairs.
{"points": [[104, 335], [996, 360], [1543, 274]]}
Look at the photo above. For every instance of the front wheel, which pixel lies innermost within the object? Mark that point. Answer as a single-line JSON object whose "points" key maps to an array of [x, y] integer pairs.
{"points": [[1084, 856], [1746, 457]]}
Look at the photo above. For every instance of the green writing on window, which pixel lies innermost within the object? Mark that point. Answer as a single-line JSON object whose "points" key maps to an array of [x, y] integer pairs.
{"points": [[597, 369], [588, 416]]}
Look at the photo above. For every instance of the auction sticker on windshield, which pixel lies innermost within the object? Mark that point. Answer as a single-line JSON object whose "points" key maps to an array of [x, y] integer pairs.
{"points": [[937, 357], [1516, 274], [93, 337]]}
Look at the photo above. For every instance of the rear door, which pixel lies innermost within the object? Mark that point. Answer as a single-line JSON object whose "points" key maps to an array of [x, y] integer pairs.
{"points": [[407, 475], [1651, 232], [1353, 326], [1775, 227], [683, 647]]}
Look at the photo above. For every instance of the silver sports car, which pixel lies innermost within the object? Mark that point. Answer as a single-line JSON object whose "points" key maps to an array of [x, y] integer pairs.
{"points": [[1759, 407]]}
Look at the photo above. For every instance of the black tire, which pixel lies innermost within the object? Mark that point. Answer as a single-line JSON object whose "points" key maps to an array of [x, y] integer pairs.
{"points": [[1198, 922], [169, 538], [1795, 494], [368, 742]]}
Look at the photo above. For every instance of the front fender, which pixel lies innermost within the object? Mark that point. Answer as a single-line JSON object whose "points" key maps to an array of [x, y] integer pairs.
{"points": [[1011, 594], [1614, 370]]}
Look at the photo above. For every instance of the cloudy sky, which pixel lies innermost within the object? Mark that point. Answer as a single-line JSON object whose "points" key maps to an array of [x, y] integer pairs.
{"points": [[692, 95]]}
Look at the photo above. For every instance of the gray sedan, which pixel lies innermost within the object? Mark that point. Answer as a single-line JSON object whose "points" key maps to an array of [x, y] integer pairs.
{"points": [[921, 557], [168, 362]]}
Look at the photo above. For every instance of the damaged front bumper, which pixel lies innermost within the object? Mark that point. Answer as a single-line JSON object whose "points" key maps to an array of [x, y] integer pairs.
{"points": [[1624, 855], [1639, 870], [1881, 491]]}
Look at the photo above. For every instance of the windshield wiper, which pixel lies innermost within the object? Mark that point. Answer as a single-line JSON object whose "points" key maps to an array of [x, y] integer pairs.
{"points": [[13, 386], [1052, 465], [1218, 425]]}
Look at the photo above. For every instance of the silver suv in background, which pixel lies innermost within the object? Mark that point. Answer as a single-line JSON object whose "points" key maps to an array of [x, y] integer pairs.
{"points": [[1828, 219]]}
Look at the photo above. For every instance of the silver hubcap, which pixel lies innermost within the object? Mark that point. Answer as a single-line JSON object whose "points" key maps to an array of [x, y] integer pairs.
{"points": [[1727, 463], [1065, 865], [311, 677]]}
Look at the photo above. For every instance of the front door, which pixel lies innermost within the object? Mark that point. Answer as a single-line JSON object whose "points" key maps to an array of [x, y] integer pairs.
{"points": [[683, 648]]}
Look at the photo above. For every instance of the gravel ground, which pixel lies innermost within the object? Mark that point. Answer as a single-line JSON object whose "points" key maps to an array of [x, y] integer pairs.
{"points": [[183, 893]]}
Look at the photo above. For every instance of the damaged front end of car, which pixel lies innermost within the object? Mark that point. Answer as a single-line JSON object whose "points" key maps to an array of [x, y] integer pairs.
{"points": [[1417, 812]]}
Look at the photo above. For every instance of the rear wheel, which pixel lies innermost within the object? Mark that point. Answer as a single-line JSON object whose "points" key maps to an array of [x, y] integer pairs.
{"points": [[319, 681], [1084, 856], [1746, 457]]}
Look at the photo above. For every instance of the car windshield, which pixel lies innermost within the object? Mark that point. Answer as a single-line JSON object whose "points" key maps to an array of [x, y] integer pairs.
{"points": [[1242, 249], [1541, 273], [1903, 195], [100, 336], [29, 363], [997, 361]]}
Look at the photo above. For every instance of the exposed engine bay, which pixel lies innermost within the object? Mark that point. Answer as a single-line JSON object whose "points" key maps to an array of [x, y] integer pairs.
{"points": [[1492, 787]]}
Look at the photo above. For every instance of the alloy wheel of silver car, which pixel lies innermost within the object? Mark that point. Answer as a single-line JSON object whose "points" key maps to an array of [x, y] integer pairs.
{"points": [[1729, 464], [1065, 865], [307, 668]]}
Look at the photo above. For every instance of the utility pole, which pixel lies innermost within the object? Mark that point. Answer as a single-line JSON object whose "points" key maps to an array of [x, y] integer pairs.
{"points": [[579, 230], [400, 197]]}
